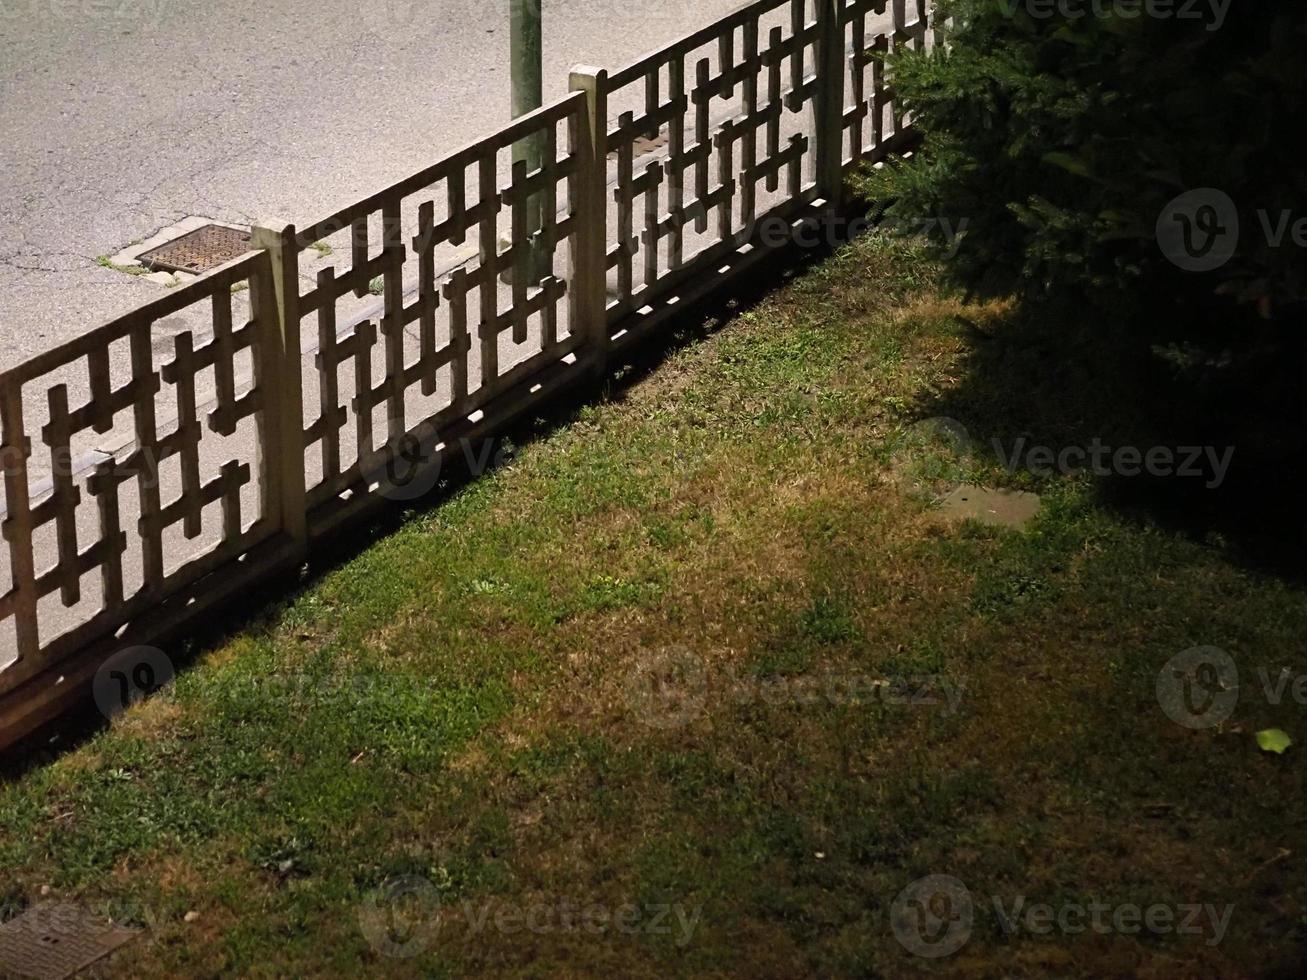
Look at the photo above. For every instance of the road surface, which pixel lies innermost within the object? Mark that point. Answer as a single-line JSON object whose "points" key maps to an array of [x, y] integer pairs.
{"points": [[121, 117]]}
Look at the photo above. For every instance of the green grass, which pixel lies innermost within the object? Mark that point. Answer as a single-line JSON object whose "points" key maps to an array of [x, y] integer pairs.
{"points": [[104, 262], [468, 700]]}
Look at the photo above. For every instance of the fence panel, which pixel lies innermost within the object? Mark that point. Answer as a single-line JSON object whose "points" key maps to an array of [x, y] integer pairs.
{"points": [[733, 106], [153, 451], [874, 125], [134, 461], [449, 299]]}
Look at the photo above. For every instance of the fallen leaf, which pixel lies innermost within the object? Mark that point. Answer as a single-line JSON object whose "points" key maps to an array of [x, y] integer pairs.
{"points": [[1273, 740]]}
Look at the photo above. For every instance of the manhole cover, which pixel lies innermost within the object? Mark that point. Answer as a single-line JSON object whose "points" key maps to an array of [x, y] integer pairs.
{"points": [[199, 251], [56, 939]]}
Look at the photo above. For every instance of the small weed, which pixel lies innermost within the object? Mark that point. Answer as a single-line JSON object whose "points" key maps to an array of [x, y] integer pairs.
{"points": [[828, 621], [104, 262]]}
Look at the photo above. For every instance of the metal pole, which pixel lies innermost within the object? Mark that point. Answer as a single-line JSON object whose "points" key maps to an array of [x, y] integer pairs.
{"points": [[528, 95]]}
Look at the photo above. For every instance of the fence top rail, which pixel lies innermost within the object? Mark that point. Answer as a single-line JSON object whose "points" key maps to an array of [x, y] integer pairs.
{"points": [[178, 298], [695, 39], [548, 115]]}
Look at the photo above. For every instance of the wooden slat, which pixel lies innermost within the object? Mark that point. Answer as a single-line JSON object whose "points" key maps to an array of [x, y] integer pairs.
{"points": [[392, 324], [222, 419], [103, 485], [456, 290], [65, 495], [331, 414], [424, 244], [150, 528], [522, 257], [17, 526], [182, 376], [488, 237]]}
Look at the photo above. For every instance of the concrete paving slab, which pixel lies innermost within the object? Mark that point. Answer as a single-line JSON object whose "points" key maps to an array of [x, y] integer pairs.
{"points": [[997, 508]]}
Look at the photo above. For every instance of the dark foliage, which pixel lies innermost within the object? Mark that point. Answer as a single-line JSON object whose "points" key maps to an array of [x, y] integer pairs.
{"points": [[1064, 141]]}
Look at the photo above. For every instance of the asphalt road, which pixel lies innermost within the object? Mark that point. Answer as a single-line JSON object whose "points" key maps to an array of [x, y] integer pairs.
{"points": [[121, 117]]}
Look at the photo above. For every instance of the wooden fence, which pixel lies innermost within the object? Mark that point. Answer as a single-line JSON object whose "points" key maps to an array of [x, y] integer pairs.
{"points": [[286, 416]]}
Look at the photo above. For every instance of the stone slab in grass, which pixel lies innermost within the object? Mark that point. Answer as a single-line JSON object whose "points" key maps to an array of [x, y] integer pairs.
{"points": [[997, 508]]}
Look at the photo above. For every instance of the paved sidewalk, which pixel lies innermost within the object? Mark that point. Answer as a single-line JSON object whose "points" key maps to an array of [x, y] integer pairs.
{"points": [[123, 117]]}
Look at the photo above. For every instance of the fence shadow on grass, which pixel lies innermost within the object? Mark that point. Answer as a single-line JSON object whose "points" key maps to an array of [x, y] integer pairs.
{"points": [[260, 609]]}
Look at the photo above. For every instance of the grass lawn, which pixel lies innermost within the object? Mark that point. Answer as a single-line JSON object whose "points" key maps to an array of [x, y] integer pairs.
{"points": [[700, 681]]}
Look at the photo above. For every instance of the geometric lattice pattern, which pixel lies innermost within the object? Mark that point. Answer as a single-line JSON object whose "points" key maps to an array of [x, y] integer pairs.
{"points": [[731, 102], [171, 442], [374, 376], [119, 502], [871, 121]]}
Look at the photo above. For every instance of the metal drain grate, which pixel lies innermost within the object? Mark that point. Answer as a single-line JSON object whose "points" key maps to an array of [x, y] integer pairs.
{"points": [[56, 939], [199, 251]]}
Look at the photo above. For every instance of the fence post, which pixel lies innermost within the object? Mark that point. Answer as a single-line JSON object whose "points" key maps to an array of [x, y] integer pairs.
{"points": [[275, 301], [17, 525], [589, 248], [830, 101]]}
